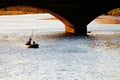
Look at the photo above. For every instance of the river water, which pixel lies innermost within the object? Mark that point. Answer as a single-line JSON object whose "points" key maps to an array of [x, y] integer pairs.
{"points": [[59, 56]]}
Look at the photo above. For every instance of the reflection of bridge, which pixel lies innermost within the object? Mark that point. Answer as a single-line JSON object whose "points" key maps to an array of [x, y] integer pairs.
{"points": [[78, 12]]}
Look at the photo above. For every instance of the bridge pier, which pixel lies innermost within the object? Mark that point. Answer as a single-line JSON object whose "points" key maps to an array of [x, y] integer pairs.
{"points": [[80, 24], [80, 30]]}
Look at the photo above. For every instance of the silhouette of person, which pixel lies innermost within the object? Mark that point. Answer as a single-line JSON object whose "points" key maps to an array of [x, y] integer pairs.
{"points": [[33, 42], [35, 45], [29, 42]]}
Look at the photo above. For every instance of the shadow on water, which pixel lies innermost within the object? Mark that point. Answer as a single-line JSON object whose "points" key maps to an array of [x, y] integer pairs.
{"points": [[64, 35], [107, 41], [43, 36], [92, 40], [95, 40]]}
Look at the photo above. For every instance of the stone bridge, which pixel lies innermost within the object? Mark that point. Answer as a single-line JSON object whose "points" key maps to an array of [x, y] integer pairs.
{"points": [[75, 14]]}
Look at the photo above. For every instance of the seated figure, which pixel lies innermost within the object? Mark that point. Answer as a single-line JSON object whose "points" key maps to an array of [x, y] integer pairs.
{"points": [[29, 45], [29, 41], [34, 45]]}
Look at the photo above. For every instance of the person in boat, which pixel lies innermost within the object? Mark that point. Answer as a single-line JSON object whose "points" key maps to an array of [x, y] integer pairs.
{"points": [[29, 45], [33, 42], [29, 41], [34, 45]]}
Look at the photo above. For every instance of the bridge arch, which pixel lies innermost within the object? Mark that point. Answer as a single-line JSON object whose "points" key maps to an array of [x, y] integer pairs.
{"points": [[105, 22], [69, 28], [35, 10]]}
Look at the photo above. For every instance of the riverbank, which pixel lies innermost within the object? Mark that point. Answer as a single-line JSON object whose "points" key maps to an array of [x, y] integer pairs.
{"points": [[107, 19]]}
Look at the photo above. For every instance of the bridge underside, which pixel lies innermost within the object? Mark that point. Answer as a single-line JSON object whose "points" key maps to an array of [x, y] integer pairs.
{"points": [[76, 14]]}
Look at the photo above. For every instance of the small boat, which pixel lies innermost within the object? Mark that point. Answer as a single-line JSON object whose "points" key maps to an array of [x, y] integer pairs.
{"points": [[34, 46], [29, 45]]}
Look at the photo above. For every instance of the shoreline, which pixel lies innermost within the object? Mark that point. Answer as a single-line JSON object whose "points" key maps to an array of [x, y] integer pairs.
{"points": [[107, 20]]}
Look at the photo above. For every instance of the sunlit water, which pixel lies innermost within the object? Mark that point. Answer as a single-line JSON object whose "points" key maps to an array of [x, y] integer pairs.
{"points": [[60, 56]]}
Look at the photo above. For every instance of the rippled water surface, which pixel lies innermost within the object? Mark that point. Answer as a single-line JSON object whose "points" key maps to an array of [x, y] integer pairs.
{"points": [[60, 56]]}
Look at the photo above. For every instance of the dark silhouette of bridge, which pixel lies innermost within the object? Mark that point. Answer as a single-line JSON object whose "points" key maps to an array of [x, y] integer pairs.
{"points": [[78, 12]]}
